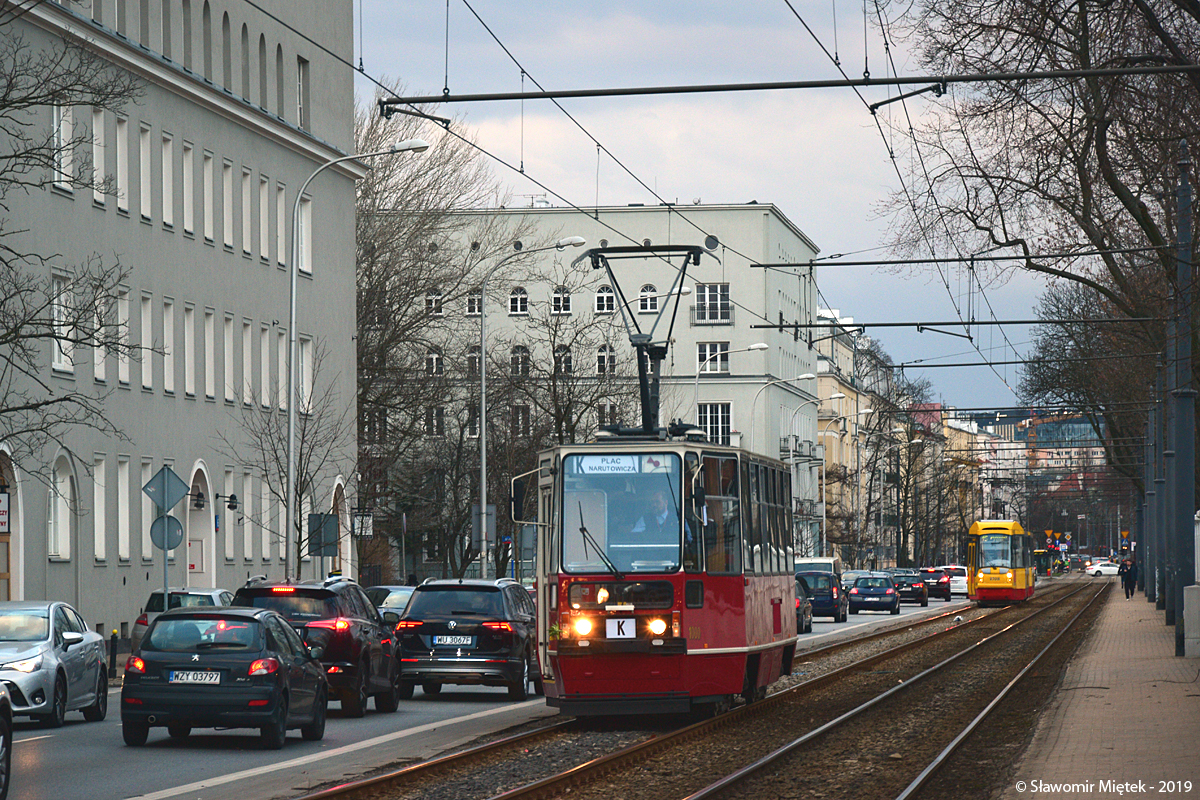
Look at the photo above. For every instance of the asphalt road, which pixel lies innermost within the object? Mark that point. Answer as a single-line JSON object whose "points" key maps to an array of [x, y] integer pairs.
{"points": [[89, 760]]}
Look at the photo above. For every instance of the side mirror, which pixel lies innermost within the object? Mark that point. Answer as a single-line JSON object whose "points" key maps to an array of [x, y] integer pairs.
{"points": [[699, 497], [390, 618], [71, 638], [316, 651], [516, 508]]}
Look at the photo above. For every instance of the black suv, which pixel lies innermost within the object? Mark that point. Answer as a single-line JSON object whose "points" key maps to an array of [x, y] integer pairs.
{"points": [[358, 650], [469, 632]]}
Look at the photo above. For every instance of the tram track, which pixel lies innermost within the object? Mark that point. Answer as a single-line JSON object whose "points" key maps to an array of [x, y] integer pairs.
{"points": [[562, 750]]}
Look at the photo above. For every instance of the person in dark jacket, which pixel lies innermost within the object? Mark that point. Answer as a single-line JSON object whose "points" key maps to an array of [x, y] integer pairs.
{"points": [[1128, 573]]}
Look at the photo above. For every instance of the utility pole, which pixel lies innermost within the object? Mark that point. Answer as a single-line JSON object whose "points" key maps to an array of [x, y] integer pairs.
{"points": [[1184, 401]]}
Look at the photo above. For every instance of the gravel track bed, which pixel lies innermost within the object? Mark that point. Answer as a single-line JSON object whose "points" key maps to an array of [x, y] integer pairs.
{"points": [[692, 765]]}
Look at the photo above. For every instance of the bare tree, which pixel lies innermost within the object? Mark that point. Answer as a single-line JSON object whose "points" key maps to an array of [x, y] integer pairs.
{"points": [[324, 445], [50, 309]]}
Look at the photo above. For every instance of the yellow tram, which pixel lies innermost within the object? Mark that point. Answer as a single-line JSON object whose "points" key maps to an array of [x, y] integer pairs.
{"points": [[1000, 562]]}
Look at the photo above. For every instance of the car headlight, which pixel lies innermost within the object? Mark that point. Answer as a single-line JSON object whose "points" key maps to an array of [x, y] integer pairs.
{"points": [[27, 665], [583, 626]]}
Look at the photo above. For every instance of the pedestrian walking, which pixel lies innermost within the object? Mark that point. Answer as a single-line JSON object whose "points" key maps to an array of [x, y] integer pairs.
{"points": [[1128, 575]]}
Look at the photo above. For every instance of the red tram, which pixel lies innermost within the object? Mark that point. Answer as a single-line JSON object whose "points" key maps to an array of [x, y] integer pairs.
{"points": [[664, 575]]}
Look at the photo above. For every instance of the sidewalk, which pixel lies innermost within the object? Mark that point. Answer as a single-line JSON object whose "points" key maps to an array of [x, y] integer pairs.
{"points": [[1128, 711]]}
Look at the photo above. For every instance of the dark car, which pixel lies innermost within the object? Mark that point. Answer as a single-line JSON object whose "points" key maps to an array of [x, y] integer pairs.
{"points": [[335, 614], [876, 592], [390, 598], [937, 582], [825, 592], [910, 585], [223, 667], [804, 614], [469, 632]]}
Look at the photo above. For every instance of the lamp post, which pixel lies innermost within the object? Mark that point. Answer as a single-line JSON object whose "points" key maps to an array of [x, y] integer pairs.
{"points": [[561, 244], [704, 363], [791, 440], [406, 146], [808, 376], [825, 505]]}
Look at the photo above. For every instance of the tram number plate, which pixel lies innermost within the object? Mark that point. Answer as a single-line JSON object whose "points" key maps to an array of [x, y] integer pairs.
{"points": [[182, 676], [620, 628]]}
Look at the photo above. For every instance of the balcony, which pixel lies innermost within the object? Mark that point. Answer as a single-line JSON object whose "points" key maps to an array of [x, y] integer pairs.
{"points": [[712, 314]]}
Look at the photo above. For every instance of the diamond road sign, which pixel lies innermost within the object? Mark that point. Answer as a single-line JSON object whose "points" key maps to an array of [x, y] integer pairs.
{"points": [[165, 488]]}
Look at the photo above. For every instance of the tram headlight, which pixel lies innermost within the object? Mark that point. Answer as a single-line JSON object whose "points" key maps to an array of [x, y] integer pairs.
{"points": [[602, 595], [583, 626], [658, 626]]}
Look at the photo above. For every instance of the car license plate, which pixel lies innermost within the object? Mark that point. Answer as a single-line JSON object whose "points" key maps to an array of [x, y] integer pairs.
{"points": [[459, 640], [186, 676]]}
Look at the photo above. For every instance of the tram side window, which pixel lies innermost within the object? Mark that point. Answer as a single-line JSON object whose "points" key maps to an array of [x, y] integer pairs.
{"points": [[751, 539], [785, 500], [722, 537]]}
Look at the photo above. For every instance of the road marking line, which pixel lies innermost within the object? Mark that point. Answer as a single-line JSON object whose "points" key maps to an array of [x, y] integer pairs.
{"points": [[33, 738], [314, 757]]}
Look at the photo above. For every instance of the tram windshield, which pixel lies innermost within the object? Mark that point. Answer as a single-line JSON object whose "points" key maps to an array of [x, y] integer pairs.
{"points": [[621, 511], [995, 551]]}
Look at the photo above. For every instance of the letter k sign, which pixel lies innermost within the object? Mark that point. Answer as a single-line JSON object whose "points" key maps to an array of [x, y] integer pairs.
{"points": [[620, 628]]}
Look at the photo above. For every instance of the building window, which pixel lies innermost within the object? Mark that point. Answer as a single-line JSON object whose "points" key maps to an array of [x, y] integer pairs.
{"points": [[147, 341], [606, 360], [264, 218], [712, 357], [474, 304], [562, 360], [168, 181], [189, 351], [227, 359], [98, 175], [168, 345], [64, 331], [64, 150], [248, 516], [714, 420], [210, 354], [648, 299], [280, 224], [608, 414], [62, 503], [435, 421], [433, 304], [99, 352], [206, 178], [473, 422], [227, 203], [189, 199], [148, 512], [264, 369], [122, 164], [520, 421], [518, 302], [433, 363], [99, 508], [144, 171], [247, 210], [302, 110], [304, 380], [712, 303], [123, 507], [281, 371], [560, 301], [520, 361], [606, 300], [473, 361], [247, 362], [227, 528], [304, 257]]}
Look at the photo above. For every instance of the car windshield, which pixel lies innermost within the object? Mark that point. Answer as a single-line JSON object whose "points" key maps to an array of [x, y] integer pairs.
{"points": [[207, 633], [24, 626], [623, 507], [873, 583], [384, 597], [818, 580], [177, 600], [455, 601], [295, 606]]}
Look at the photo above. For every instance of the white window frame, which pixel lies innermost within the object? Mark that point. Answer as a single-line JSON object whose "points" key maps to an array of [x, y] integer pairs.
{"points": [[189, 350], [304, 257], [123, 323], [712, 357], [168, 345], [264, 218], [433, 304], [62, 346], [264, 366], [281, 352], [189, 199], [229, 516], [474, 304], [713, 303], [147, 334], [606, 300], [434, 363], [145, 173], [64, 150], [281, 224], [148, 512], [247, 211], [606, 360], [122, 187], [210, 354], [168, 180], [247, 515], [99, 356], [206, 178], [716, 420], [560, 302], [247, 362], [435, 421], [522, 424], [98, 155], [99, 507], [227, 359], [227, 203], [518, 302], [304, 378], [123, 497], [648, 299], [62, 501]]}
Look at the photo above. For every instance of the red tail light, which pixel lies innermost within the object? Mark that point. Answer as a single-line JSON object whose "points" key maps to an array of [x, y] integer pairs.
{"points": [[408, 624], [797, 602], [890, 591], [854, 591], [142, 620], [835, 593], [135, 665], [944, 579], [498, 626], [264, 666], [283, 589], [337, 624]]}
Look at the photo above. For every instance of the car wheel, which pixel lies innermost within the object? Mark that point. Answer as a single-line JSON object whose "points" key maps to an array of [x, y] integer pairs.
{"points": [[97, 710], [431, 688], [924, 602], [1097, 574], [520, 689], [387, 702], [58, 706], [274, 734], [896, 610], [947, 597], [315, 730], [852, 611], [354, 700], [5, 755], [135, 731], [404, 690], [178, 730]]}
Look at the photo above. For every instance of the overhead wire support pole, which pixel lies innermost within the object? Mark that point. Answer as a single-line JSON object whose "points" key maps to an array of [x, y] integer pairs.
{"points": [[778, 85], [938, 90], [1096, 321]]}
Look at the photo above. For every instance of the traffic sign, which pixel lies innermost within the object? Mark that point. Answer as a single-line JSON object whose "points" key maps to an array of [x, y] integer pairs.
{"points": [[165, 488], [166, 533]]}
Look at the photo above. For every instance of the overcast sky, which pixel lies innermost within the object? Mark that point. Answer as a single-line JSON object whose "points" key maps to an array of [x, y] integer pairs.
{"points": [[816, 154]]}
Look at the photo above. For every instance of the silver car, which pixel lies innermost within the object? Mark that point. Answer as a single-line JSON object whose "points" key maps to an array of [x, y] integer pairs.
{"points": [[180, 597], [51, 663]]}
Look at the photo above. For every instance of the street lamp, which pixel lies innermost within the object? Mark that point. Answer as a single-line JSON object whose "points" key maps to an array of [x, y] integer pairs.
{"points": [[808, 376], [561, 244], [710, 357], [406, 146], [792, 452]]}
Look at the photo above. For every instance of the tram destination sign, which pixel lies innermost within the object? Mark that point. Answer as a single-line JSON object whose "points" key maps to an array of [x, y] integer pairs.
{"points": [[609, 465]]}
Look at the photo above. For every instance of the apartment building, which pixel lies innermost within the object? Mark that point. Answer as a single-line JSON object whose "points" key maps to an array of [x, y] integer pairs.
{"points": [[238, 108]]}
